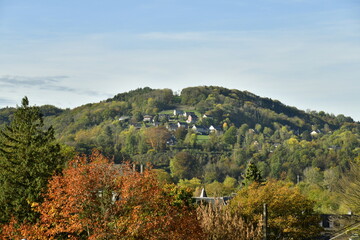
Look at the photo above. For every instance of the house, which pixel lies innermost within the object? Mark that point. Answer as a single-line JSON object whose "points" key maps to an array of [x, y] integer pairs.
{"points": [[171, 141], [156, 124], [203, 198], [178, 112], [147, 118], [207, 116], [314, 133], [182, 124], [124, 118], [339, 226], [200, 129], [215, 129], [192, 118], [186, 114]]}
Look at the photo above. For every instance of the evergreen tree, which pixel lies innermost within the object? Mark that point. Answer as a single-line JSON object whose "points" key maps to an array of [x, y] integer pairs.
{"points": [[29, 156], [252, 175]]}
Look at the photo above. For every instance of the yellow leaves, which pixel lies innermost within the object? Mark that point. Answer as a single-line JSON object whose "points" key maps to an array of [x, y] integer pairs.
{"points": [[288, 210], [34, 204], [292, 141]]}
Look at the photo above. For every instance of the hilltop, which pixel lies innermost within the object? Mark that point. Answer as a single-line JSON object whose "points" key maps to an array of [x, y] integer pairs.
{"points": [[210, 134]]}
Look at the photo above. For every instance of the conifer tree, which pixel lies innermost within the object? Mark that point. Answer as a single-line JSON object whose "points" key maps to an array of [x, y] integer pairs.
{"points": [[252, 175], [29, 156]]}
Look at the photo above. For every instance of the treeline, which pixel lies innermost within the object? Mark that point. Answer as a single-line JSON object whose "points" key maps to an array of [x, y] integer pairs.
{"points": [[283, 142], [48, 191]]}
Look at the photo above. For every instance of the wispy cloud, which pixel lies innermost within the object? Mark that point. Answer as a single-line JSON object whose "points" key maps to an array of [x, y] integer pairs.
{"points": [[22, 81], [47, 83]]}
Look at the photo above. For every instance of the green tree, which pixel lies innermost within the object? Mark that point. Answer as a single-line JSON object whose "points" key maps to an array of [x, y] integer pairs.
{"points": [[182, 165], [230, 135], [252, 175], [349, 187], [29, 156]]}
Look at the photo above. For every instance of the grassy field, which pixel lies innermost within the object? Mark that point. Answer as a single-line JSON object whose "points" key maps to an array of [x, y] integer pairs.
{"points": [[202, 138]]}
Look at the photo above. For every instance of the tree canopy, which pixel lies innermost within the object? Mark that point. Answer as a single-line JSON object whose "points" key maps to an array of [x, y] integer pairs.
{"points": [[29, 156]]}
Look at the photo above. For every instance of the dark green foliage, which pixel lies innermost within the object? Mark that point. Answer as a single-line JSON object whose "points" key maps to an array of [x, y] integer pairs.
{"points": [[252, 175], [230, 135], [130, 95], [6, 115], [50, 110], [183, 166], [28, 157]]}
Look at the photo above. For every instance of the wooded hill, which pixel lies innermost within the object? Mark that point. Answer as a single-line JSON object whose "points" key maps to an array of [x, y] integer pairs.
{"points": [[141, 126]]}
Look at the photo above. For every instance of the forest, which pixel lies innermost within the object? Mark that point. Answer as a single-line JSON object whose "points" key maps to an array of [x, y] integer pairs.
{"points": [[69, 173]]}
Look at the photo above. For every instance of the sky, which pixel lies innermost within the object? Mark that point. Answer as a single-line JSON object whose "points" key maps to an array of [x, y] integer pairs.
{"points": [[304, 53]]}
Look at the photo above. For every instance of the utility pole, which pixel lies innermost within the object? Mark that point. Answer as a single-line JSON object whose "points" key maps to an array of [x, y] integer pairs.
{"points": [[265, 219]]}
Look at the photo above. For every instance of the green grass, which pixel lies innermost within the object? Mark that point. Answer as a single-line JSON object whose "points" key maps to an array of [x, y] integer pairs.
{"points": [[202, 138], [170, 112]]}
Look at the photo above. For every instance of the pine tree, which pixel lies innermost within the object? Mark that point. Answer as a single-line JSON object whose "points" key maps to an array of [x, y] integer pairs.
{"points": [[29, 156], [252, 175]]}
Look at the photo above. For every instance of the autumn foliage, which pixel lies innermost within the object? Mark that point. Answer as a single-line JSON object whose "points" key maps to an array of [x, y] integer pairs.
{"points": [[290, 214], [93, 199], [219, 223]]}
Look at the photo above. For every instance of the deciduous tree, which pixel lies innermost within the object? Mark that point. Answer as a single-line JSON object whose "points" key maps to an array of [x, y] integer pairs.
{"points": [[291, 215], [157, 137], [93, 199]]}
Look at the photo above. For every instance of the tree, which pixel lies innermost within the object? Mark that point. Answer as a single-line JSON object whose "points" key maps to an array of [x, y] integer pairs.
{"points": [[291, 215], [183, 165], [29, 156], [230, 135], [92, 199], [180, 133], [252, 175], [349, 187], [157, 137], [230, 184], [219, 223], [194, 184]]}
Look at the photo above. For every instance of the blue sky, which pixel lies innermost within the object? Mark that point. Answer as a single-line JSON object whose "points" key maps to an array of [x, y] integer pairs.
{"points": [[305, 53]]}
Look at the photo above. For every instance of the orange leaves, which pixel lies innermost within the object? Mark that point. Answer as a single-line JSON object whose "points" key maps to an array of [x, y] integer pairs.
{"points": [[93, 199]]}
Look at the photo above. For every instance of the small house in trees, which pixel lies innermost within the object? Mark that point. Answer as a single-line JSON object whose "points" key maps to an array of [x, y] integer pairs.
{"points": [[215, 129], [207, 116], [186, 114], [171, 141], [203, 198], [178, 112], [182, 124], [315, 133], [200, 129], [124, 118], [156, 124], [192, 118], [147, 118]]}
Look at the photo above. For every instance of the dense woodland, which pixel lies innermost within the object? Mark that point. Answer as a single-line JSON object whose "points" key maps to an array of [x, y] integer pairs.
{"points": [[220, 138]]}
